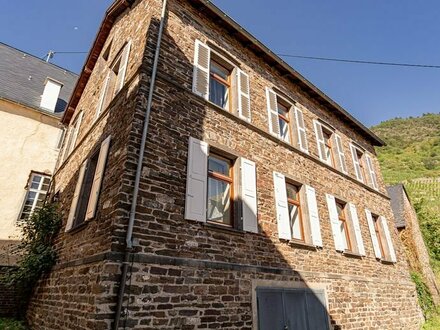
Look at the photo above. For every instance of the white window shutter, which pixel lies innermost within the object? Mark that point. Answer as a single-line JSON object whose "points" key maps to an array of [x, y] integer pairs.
{"points": [[320, 141], [202, 59], [249, 195], [371, 171], [357, 166], [122, 67], [75, 133], [341, 155], [103, 94], [282, 210], [302, 135], [97, 179], [312, 207], [388, 238], [77, 192], [196, 180], [374, 238], [272, 112], [243, 95], [334, 221], [357, 229]]}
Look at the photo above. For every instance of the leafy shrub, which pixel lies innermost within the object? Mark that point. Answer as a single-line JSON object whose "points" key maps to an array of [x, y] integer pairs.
{"points": [[423, 294], [36, 248]]}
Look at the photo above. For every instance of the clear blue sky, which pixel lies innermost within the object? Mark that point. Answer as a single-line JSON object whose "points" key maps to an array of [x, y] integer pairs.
{"points": [[393, 31]]}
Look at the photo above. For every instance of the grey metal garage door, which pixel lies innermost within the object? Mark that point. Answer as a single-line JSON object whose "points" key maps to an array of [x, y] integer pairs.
{"points": [[291, 309]]}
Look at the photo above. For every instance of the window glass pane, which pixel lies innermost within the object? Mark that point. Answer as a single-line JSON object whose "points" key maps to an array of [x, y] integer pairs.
{"points": [[343, 234], [218, 93], [284, 130], [295, 221], [218, 165], [219, 70], [219, 196], [340, 209], [35, 184], [292, 192]]}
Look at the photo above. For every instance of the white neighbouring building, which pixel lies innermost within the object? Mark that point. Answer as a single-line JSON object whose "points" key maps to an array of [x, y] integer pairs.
{"points": [[33, 96]]}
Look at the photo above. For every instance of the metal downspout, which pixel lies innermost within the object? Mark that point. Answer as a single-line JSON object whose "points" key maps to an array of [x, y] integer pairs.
{"points": [[129, 237]]}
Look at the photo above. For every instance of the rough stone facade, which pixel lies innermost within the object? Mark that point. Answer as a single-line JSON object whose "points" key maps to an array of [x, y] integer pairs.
{"points": [[409, 232], [9, 298], [189, 275]]}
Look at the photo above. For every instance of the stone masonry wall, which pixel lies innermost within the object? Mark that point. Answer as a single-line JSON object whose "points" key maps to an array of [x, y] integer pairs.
{"points": [[9, 298], [166, 238], [80, 291], [415, 247], [188, 275]]}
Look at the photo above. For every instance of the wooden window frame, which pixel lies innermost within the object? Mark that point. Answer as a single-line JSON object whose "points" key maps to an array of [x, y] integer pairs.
{"points": [[329, 143], [297, 203], [228, 179], [343, 218], [377, 229], [227, 83], [360, 157], [286, 118]]}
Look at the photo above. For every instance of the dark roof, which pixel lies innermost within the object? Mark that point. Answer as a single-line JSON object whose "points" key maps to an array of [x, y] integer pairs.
{"points": [[23, 77], [208, 9], [397, 193]]}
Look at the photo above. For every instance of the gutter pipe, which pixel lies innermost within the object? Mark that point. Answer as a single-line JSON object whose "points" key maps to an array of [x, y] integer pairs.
{"points": [[129, 237]]}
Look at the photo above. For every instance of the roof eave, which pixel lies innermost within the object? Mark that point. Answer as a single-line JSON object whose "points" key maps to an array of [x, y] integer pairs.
{"points": [[117, 7], [120, 5]]}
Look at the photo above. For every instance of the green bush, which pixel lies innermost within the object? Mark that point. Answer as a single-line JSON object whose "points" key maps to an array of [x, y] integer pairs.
{"points": [[423, 294], [11, 324], [37, 252]]}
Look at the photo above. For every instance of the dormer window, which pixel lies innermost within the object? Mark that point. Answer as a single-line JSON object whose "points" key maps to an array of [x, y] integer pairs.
{"points": [[50, 95]]}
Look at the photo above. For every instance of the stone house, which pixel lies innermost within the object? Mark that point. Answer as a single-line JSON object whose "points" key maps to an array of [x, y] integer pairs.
{"points": [[408, 227], [33, 96], [205, 184]]}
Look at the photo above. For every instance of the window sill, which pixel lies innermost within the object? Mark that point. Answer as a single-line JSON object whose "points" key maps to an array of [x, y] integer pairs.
{"points": [[223, 228], [302, 245], [352, 254], [387, 262], [77, 228]]}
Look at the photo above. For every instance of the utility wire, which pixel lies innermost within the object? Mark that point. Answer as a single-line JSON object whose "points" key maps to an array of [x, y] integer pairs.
{"points": [[330, 59], [70, 52], [360, 62]]}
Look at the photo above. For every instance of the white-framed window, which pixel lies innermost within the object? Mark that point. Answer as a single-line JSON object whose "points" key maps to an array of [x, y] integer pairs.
{"points": [[380, 237], [345, 226], [72, 135], [358, 162], [296, 211], [221, 82], [37, 188], [371, 172], [282, 117], [218, 186], [115, 78], [363, 166], [330, 148]]}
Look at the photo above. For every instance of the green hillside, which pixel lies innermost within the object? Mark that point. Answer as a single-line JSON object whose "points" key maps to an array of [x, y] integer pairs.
{"points": [[412, 156], [413, 148]]}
